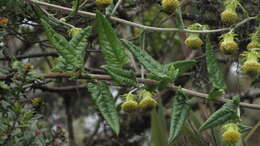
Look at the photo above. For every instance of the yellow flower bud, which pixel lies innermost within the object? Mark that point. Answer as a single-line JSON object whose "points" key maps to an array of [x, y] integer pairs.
{"points": [[170, 5], [129, 106], [229, 16], [147, 103], [251, 65], [228, 46], [103, 3], [231, 134], [252, 45], [193, 42]]}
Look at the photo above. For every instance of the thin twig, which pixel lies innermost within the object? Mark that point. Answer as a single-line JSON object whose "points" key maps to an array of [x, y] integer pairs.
{"points": [[116, 6], [89, 14]]}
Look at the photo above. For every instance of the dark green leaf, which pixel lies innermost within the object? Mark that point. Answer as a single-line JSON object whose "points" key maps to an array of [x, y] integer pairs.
{"points": [[180, 112], [79, 43], [111, 46], [214, 72], [227, 112], [145, 59], [158, 127], [62, 46], [105, 103], [123, 77]]}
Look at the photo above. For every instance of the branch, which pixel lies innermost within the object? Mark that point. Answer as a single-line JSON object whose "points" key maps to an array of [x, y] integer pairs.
{"points": [[89, 14], [140, 80], [32, 56]]}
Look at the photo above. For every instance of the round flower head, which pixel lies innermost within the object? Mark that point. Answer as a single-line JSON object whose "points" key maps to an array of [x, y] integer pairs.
{"points": [[251, 65], [193, 40], [229, 16], [103, 3], [227, 45], [231, 134], [147, 103], [252, 45], [130, 105], [255, 40], [170, 5]]}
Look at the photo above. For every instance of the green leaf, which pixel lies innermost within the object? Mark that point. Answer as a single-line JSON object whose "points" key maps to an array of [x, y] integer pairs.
{"points": [[62, 46], [171, 74], [105, 103], [71, 53], [183, 65], [215, 92], [228, 112], [47, 17], [214, 72], [145, 59], [79, 43], [122, 77], [111, 46], [180, 112], [158, 127]]}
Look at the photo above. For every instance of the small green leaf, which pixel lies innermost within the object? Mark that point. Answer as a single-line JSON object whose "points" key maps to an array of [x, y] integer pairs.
{"points": [[228, 112], [122, 77], [215, 92], [183, 65], [75, 7], [215, 75], [180, 112], [171, 74], [111, 46], [105, 103]]}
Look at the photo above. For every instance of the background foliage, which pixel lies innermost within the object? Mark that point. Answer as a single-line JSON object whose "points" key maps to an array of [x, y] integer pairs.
{"points": [[66, 75]]}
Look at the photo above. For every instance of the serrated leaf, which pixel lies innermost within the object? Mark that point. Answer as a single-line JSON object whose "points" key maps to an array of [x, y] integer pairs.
{"points": [[180, 112], [123, 77], [183, 65], [71, 52], [145, 59], [79, 43], [62, 46], [111, 46], [226, 113], [214, 73], [105, 103]]}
